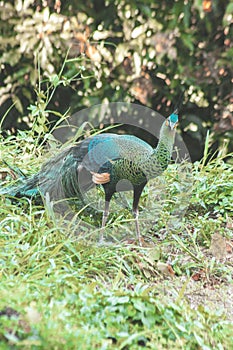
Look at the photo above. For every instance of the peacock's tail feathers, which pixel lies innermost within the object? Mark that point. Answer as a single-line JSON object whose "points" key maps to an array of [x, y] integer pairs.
{"points": [[27, 188]]}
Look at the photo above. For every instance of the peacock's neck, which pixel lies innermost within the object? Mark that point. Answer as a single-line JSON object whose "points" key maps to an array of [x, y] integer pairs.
{"points": [[165, 144], [161, 156]]}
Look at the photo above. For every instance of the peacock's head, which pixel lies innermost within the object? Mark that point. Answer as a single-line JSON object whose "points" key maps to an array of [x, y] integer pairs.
{"points": [[172, 120]]}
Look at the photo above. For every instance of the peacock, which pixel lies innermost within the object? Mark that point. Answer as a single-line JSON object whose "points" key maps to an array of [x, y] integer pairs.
{"points": [[116, 162]]}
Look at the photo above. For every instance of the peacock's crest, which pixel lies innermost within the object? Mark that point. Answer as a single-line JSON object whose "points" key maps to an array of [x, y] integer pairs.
{"points": [[174, 118]]}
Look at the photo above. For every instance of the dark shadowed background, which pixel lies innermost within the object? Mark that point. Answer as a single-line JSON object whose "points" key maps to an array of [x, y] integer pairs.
{"points": [[132, 51]]}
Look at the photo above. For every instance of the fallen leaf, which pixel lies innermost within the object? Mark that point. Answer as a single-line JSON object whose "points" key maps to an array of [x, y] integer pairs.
{"points": [[200, 275], [166, 269], [133, 241], [229, 223], [229, 247], [218, 246]]}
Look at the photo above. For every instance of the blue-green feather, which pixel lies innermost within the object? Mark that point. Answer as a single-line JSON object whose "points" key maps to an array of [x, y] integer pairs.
{"points": [[174, 118]]}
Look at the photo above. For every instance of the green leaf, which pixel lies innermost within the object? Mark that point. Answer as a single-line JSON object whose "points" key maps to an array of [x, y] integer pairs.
{"points": [[187, 40], [18, 104], [54, 79]]}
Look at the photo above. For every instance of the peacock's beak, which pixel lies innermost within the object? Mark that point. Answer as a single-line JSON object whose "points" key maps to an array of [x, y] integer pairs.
{"points": [[172, 125]]}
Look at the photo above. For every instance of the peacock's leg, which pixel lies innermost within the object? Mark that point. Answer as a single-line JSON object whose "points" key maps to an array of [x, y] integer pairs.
{"points": [[136, 197], [105, 215], [136, 214]]}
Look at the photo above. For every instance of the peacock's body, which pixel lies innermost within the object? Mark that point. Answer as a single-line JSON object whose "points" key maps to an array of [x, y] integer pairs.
{"points": [[117, 162]]}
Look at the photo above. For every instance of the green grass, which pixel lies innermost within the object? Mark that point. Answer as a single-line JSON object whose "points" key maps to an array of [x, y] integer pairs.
{"points": [[59, 292]]}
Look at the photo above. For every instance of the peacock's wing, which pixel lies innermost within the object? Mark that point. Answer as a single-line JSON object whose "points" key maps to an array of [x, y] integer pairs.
{"points": [[98, 153]]}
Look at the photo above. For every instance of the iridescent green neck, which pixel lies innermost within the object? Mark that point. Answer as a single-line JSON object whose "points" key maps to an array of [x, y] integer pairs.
{"points": [[166, 139], [161, 156]]}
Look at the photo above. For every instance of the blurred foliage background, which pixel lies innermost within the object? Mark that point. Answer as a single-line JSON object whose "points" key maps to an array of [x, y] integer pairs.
{"points": [[134, 51]]}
